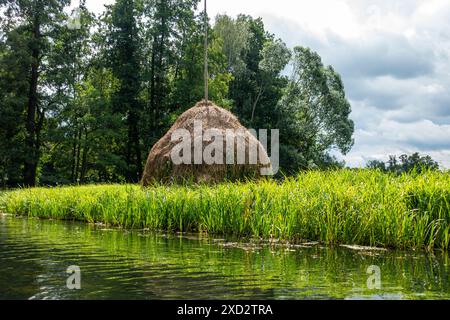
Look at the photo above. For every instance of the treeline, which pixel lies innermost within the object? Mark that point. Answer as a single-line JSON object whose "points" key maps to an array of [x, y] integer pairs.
{"points": [[405, 164], [83, 98]]}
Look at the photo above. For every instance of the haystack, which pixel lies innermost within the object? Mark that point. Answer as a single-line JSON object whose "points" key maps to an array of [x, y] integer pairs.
{"points": [[161, 168]]}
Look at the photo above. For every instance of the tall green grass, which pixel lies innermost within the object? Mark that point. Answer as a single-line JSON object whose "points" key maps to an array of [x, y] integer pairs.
{"points": [[353, 207]]}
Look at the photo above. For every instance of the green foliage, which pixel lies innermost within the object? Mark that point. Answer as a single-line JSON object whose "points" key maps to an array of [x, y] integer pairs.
{"points": [[13, 85], [235, 35], [405, 164], [30, 34], [275, 57], [318, 113], [189, 75], [347, 206], [255, 89], [85, 104], [125, 65]]}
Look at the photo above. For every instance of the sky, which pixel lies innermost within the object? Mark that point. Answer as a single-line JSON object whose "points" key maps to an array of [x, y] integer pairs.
{"points": [[393, 56]]}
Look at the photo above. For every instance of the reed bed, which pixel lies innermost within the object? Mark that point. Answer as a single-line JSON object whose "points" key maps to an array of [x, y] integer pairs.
{"points": [[360, 207]]}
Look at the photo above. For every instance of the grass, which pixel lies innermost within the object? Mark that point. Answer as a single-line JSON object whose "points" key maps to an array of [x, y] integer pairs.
{"points": [[353, 207]]}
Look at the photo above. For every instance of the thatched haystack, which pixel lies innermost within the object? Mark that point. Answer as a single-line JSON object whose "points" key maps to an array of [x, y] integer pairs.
{"points": [[160, 167]]}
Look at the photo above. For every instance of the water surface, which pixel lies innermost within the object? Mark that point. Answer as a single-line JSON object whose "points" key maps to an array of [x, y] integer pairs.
{"points": [[117, 264]]}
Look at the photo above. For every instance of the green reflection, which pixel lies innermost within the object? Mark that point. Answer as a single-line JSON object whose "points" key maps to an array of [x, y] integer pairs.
{"points": [[117, 264]]}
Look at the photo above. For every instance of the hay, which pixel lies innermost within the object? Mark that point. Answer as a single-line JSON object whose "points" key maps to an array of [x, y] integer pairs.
{"points": [[161, 169]]}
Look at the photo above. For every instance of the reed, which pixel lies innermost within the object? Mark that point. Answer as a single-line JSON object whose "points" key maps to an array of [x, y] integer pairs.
{"points": [[361, 207]]}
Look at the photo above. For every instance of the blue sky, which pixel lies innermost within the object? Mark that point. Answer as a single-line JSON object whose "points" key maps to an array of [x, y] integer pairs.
{"points": [[394, 58]]}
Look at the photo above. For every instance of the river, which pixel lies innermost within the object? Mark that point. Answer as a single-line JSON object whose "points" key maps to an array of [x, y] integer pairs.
{"points": [[119, 264]]}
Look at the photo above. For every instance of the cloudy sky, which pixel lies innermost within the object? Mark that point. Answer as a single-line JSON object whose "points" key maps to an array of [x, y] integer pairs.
{"points": [[394, 58]]}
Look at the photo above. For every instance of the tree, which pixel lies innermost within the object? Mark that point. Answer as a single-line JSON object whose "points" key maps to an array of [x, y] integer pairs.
{"points": [[13, 98], [245, 67], [235, 35], [377, 165], [170, 30], [406, 164], [416, 162], [275, 56], [255, 59], [125, 63], [69, 130], [188, 81], [315, 113], [35, 22]]}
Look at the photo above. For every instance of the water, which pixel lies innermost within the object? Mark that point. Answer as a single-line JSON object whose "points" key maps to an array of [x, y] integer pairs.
{"points": [[115, 264]]}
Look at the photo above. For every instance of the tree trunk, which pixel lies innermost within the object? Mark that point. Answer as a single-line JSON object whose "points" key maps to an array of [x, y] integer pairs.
{"points": [[157, 90], [160, 62], [32, 154], [84, 156], [74, 158], [128, 156], [152, 85], [134, 156], [137, 147], [78, 161], [255, 103]]}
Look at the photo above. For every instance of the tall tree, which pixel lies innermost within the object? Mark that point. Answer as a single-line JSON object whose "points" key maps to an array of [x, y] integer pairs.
{"points": [[36, 21], [69, 64], [275, 56], [256, 60], [168, 28], [125, 62], [235, 35], [188, 79], [316, 113], [13, 87]]}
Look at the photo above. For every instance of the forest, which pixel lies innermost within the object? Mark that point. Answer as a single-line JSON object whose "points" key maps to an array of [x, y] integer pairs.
{"points": [[84, 96]]}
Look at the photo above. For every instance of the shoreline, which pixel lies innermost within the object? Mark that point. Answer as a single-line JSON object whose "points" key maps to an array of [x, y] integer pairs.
{"points": [[244, 243], [363, 208]]}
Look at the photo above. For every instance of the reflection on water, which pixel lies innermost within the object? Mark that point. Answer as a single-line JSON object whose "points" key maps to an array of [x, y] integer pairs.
{"points": [[115, 264]]}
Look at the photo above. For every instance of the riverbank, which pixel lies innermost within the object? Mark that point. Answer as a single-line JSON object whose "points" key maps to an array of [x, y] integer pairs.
{"points": [[362, 207]]}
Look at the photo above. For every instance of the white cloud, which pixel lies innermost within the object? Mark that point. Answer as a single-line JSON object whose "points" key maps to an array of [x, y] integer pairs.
{"points": [[390, 137]]}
